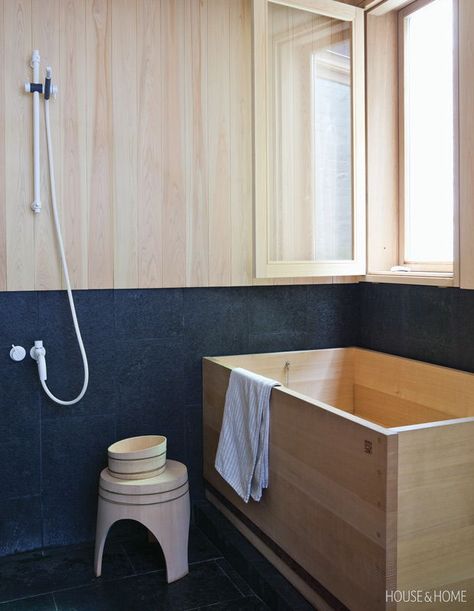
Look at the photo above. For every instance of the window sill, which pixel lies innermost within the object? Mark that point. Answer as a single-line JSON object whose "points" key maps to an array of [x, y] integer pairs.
{"points": [[426, 278]]}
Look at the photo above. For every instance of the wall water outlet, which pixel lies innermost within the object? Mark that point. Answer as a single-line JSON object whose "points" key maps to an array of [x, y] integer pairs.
{"points": [[17, 353], [38, 354]]}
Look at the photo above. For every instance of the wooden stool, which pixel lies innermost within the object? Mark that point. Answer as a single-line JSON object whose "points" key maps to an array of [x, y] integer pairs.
{"points": [[160, 503]]}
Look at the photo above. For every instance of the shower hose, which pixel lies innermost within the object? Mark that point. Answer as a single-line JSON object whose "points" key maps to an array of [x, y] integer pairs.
{"points": [[59, 236]]}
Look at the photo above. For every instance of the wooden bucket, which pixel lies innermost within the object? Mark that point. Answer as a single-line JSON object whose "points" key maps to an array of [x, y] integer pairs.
{"points": [[138, 457]]}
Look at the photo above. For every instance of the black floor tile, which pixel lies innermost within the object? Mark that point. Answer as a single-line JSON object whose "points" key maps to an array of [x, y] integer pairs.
{"points": [[275, 590], [36, 573], [45, 602], [205, 585], [263, 578], [133, 577], [146, 556], [129, 594], [234, 576]]}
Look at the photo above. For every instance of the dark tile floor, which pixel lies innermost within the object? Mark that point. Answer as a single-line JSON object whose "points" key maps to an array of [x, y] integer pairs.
{"points": [[133, 579], [264, 579]]}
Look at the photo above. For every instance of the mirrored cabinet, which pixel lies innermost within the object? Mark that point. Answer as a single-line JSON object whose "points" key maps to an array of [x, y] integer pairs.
{"points": [[309, 150]]}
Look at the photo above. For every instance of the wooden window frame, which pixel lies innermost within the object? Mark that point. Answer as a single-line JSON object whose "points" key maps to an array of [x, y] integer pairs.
{"points": [[425, 266], [264, 267], [383, 151]]}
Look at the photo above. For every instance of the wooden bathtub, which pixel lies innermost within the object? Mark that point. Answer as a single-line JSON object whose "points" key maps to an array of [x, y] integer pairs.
{"points": [[371, 484]]}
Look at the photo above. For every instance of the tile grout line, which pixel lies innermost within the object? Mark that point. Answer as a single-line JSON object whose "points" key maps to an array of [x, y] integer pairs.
{"points": [[213, 559], [129, 560], [32, 597], [226, 574], [219, 602]]}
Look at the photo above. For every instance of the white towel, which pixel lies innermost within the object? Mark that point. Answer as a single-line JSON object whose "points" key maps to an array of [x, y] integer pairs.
{"points": [[242, 453]]}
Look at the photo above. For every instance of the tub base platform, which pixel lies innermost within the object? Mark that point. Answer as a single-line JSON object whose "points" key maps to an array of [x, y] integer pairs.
{"points": [[371, 487], [312, 590]]}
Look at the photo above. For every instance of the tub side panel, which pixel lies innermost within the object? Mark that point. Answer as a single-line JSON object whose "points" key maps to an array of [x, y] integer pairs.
{"points": [[436, 510], [327, 501], [429, 392], [324, 374]]}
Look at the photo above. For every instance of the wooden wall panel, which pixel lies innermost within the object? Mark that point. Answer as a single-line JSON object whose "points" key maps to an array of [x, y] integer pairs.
{"points": [[45, 16], [150, 166], [241, 142], [197, 163], [466, 142], [73, 83], [220, 218], [174, 154], [124, 112], [99, 143], [152, 135], [382, 141], [18, 147], [3, 250]]}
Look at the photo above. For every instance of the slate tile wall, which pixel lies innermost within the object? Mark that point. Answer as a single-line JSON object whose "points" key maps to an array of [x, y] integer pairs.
{"points": [[145, 349], [427, 323]]}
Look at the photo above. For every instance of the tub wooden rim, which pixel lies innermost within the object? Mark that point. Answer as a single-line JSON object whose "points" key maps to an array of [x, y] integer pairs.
{"points": [[387, 431]]}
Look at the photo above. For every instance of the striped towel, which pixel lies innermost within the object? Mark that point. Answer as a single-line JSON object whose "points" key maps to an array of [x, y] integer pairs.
{"points": [[242, 453]]}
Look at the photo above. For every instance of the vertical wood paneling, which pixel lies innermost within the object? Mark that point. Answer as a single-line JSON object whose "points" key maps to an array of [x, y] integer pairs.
{"points": [[241, 141], [99, 143], [73, 138], [3, 232], [18, 147], [260, 131], [382, 141], [220, 217], [150, 168], [174, 155], [197, 175], [48, 272], [152, 135], [124, 111], [466, 142]]}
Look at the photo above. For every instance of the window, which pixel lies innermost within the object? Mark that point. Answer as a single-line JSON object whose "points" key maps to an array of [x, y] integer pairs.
{"points": [[309, 140], [331, 144], [427, 136]]}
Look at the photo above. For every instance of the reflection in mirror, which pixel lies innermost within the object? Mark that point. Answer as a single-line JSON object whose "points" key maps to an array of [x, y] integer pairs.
{"points": [[310, 136]]}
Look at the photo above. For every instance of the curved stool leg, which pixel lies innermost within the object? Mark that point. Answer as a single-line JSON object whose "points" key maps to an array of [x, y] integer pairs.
{"points": [[105, 518], [170, 526], [158, 505]]}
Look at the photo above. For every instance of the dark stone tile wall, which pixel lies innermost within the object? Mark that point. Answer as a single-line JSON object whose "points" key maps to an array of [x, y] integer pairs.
{"points": [[431, 324], [145, 349]]}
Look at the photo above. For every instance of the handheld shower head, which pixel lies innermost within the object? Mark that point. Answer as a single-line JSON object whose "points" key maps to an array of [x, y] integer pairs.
{"points": [[49, 88], [47, 83]]}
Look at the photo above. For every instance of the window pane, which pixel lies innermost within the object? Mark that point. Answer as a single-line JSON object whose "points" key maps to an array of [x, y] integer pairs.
{"points": [[310, 134], [429, 133]]}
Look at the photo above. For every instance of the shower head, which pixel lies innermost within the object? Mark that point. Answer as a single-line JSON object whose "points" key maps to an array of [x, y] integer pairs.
{"points": [[49, 88]]}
